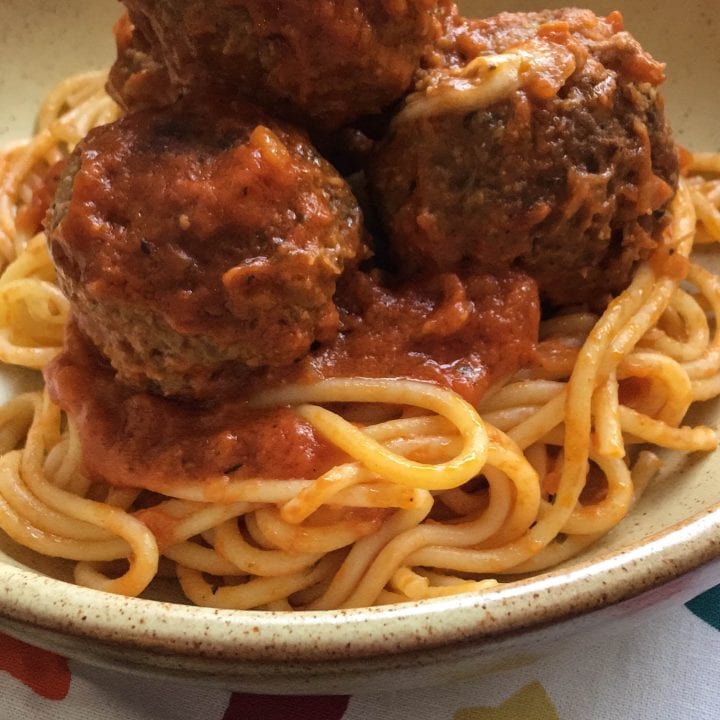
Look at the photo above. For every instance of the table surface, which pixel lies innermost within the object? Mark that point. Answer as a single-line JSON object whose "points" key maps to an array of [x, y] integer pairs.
{"points": [[667, 668]]}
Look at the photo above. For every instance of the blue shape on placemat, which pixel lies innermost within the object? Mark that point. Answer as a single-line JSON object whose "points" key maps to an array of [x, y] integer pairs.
{"points": [[707, 607]]}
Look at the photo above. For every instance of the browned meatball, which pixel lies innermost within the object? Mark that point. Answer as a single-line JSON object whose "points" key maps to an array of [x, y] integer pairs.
{"points": [[540, 140], [136, 79], [326, 62], [200, 237]]}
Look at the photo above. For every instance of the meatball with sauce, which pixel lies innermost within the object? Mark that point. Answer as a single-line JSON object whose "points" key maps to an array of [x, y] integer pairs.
{"points": [[324, 63], [136, 79], [201, 240], [535, 140]]}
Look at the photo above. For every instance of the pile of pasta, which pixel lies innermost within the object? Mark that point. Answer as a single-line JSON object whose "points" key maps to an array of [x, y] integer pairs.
{"points": [[549, 462]]}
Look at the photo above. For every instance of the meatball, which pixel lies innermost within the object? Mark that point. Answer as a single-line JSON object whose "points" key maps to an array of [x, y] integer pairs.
{"points": [[325, 62], [538, 140], [136, 79], [201, 240]]}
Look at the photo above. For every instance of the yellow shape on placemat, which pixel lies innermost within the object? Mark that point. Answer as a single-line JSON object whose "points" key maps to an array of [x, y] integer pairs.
{"points": [[531, 703]]}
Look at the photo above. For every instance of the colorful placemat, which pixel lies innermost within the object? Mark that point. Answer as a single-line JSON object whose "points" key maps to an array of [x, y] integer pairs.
{"points": [[666, 668]]}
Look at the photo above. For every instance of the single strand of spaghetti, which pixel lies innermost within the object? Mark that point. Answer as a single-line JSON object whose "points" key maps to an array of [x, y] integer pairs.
{"points": [[463, 503], [557, 369], [16, 416], [66, 472], [222, 490], [671, 322], [175, 521], [364, 552], [410, 427], [428, 449], [666, 372], [507, 420], [231, 545], [516, 524], [602, 516], [46, 430], [310, 539], [203, 559], [538, 426], [371, 453], [121, 497], [506, 457], [252, 594], [696, 328], [554, 554], [29, 357], [389, 598], [302, 599], [575, 325], [606, 414], [706, 389], [417, 587], [438, 579], [277, 606], [646, 467], [705, 162], [686, 439], [523, 393]]}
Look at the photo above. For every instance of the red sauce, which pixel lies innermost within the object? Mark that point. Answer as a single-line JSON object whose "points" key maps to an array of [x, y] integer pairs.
{"points": [[463, 333]]}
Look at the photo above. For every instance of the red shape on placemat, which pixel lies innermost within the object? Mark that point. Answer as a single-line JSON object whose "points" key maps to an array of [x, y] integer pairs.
{"points": [[43, 672], [286, 707]]}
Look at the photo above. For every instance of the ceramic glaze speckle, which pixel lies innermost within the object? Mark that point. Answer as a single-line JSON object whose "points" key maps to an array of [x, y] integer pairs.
{"points": [[666, 551]]}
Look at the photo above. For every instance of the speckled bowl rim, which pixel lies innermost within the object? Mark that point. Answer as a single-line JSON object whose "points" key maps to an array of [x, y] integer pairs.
{"points": [[34, 600]]}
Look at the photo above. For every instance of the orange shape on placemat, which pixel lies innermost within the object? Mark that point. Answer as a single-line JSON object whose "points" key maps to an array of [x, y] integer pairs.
{"points": [[286, 707], [531, 703], [43, 672]]}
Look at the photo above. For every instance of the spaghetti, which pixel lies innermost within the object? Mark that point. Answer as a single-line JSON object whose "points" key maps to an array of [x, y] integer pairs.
{"points": [[561, 447]]}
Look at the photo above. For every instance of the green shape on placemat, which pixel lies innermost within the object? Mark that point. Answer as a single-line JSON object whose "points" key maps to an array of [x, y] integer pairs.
{"points": [[531, 703], [707, 607]]}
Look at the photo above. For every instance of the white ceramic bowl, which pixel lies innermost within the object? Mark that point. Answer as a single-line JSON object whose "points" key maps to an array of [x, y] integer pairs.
{"points": [[666, 551]]}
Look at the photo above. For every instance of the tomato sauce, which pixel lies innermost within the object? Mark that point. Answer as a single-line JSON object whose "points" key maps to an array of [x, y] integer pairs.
{"points": [[464, 333]]}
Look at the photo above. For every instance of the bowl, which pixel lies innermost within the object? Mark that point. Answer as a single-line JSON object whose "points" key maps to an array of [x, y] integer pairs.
{"points": [[666, 551]]}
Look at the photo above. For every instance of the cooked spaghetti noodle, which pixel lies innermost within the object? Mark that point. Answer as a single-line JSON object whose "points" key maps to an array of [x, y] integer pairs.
{"points": [[563, 446]]}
